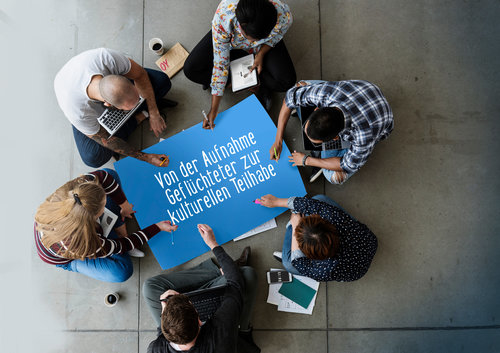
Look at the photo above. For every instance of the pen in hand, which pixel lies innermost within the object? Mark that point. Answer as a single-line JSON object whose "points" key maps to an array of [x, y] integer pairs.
{"points": [[249, 68], [206, 118]]}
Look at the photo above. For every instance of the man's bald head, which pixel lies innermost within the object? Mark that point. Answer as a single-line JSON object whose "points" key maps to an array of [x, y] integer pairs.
{"points": [[119, 92]]}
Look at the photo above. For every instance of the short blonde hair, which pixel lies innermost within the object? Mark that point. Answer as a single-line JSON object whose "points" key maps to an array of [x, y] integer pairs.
{"points": [[69, 216]]}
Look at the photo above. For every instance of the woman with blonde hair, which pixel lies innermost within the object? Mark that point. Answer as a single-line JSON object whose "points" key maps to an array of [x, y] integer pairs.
{"points": [[322, 241], [68, 233]]}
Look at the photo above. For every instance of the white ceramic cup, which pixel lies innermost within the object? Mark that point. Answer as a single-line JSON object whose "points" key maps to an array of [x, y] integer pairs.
{"points": [[156, 45], [111, 299]]}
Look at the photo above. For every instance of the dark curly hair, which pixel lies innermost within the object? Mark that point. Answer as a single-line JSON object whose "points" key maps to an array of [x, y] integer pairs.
{"points": [[257, 18]]}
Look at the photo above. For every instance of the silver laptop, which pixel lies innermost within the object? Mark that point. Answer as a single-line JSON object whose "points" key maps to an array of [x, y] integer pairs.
{"points": [[113, 119]]}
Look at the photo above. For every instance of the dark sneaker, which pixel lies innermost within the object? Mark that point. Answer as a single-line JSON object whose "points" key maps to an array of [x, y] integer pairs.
{"points": [[243, 259]]}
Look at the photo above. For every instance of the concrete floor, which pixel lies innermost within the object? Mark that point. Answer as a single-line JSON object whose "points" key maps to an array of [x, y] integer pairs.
{"points": [[430, 192]]}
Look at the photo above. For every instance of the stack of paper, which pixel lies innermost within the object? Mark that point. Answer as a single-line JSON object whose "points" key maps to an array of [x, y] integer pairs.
{"points": [[302, 290]]}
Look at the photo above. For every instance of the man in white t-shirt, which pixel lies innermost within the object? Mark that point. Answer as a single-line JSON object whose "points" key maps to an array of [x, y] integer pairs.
{"points": [[100, 78]]}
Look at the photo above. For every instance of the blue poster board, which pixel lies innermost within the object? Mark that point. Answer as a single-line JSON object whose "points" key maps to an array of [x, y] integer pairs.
{"points": [[212, 178]]}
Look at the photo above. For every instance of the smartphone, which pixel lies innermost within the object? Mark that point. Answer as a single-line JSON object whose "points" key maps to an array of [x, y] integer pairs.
{"points": [[278, 277]]}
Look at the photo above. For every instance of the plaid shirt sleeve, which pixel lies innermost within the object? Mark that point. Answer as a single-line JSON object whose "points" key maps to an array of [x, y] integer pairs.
{"points": [[367, 114], [318, 94], [356, 156], [369, 120]]}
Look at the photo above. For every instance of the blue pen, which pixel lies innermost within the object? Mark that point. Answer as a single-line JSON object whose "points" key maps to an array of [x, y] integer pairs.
{"points": [[172, 236]]}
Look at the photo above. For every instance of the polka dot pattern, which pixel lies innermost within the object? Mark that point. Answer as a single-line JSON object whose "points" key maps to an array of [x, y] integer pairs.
{"points": [[357, 245]]}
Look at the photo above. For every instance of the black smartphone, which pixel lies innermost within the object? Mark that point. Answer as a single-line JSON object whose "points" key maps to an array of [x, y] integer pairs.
{"points": [[278, 276]]}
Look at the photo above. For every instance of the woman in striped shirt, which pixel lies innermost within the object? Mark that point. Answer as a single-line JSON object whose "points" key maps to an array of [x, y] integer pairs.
{"points": [[68, 233]]}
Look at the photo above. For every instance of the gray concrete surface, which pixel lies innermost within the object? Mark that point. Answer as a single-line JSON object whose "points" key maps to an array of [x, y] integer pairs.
{"points": [[430, 192]]}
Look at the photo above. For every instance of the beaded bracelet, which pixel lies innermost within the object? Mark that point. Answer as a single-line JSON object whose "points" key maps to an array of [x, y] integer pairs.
{"points": [[304, 159]]}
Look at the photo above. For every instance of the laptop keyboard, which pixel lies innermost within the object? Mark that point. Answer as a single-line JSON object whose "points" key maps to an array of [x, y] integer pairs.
{"points": [[112, 118], [332, 145], [206, 307]]}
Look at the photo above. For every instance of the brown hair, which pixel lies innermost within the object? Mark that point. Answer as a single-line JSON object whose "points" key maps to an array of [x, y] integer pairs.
{"points": [[69, 216], [317, 238], [179, 320]]}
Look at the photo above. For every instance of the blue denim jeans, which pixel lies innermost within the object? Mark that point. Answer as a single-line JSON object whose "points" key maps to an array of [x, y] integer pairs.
{"points": [[115, 268], [93, 154], [330, 175], [287, 254]]}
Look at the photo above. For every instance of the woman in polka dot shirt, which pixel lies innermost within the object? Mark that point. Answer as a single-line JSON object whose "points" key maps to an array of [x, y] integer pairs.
{"points": [[322, 241]]}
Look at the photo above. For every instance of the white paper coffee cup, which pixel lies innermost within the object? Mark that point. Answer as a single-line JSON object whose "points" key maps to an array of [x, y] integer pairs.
{"points": [[156, 45], [111, 299]]}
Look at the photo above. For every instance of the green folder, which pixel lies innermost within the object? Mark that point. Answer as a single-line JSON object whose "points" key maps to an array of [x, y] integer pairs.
{"points": [[297, 291]]}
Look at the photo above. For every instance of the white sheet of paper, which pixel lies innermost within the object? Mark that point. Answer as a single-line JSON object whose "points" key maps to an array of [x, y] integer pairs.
{"points": [[262, 228], [287, 305]]}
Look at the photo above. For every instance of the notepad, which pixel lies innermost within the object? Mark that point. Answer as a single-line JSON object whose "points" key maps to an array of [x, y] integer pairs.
{"points": [[297, 291], [241, 77], [107, 221]]}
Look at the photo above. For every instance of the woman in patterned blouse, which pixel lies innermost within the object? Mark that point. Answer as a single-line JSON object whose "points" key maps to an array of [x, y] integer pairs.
{"points": [[239, 28], [322, 241]]}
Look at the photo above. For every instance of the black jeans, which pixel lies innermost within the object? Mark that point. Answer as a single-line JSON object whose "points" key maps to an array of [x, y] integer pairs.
{"points": [[278, 72]]}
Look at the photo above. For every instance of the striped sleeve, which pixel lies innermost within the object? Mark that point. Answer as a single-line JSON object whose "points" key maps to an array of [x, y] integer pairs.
{"points": [[122, 245], [47, 255], [110, 185]]}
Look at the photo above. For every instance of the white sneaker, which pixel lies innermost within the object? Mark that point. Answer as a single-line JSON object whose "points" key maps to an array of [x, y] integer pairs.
{"points": [[136, 253], [316, 172], [278, 256]]}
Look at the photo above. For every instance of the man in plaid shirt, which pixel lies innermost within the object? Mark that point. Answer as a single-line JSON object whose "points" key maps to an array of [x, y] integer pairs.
{"points": [[354, 111]]}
